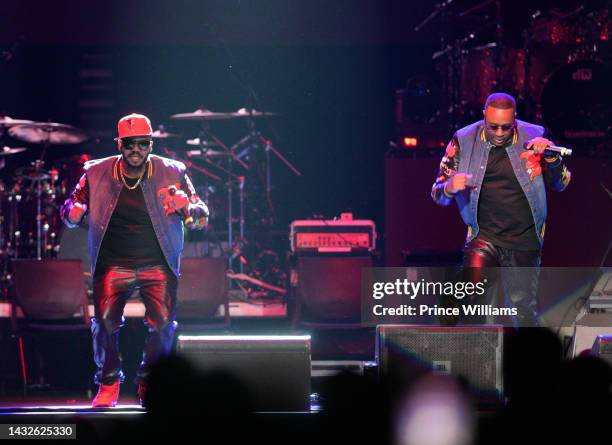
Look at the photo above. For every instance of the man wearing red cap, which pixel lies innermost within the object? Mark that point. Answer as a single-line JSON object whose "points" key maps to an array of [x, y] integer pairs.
{"points": [[138, 204]]}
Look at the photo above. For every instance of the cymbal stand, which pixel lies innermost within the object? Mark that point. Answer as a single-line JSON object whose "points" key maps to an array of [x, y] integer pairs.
{"points": [[4, 252], [38, 164], [207, 174], [241, 180], [236, 250], [3, 241], [38, 213], [253, 140], [453, 55], [14, 238], [207, 135]]}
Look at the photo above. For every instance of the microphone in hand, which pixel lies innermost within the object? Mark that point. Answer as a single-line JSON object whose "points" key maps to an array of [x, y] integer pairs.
{"points": [[563, 151]]}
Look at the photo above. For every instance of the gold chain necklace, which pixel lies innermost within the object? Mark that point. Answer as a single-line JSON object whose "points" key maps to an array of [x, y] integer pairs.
{"points": [[125, 182]]}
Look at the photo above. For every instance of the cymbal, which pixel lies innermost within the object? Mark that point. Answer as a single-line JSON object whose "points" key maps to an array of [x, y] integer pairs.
{"points": [[6, 151], [48, 132], [31, 174], [163, 134], [252, 112], [7, 122], [202, 143], [203, 114]]}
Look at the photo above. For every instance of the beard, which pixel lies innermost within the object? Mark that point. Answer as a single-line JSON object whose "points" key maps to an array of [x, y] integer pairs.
{"points": [[134, 162]]}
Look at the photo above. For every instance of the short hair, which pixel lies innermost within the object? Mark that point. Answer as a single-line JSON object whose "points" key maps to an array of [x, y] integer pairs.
{"points": [[500, 100]]}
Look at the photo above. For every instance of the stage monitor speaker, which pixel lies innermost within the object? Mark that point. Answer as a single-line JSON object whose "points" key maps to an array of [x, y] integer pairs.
{"points": [[274, 368], [473, 353]]}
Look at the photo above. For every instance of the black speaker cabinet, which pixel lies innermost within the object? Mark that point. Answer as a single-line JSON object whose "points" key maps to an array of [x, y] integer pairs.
{"points": [[275, 368], [329, 287], [202, 289], [473, 353]]}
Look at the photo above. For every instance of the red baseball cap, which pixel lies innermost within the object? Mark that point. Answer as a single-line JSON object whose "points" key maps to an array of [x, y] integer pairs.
{"points": [[134, 125]]}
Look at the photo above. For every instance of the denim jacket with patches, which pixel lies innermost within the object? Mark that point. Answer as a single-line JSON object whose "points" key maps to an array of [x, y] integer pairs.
{"points": [[99, 189], [468, 152]]}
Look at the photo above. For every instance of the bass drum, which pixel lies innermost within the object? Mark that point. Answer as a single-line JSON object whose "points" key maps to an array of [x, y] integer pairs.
{"points": [[478, 78], [575, 101]]}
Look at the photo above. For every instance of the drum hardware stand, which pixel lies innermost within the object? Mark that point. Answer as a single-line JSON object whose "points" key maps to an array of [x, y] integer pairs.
{"points": [[450, 83], [207, 174], [205, 136], [38, 164], [524, 93], [230, 220], [241, 180], [440, 9], [253, 140], [237, 155], [4, 253]]}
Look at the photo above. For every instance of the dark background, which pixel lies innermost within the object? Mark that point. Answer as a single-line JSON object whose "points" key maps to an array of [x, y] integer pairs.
{"points": [[329, 69]]}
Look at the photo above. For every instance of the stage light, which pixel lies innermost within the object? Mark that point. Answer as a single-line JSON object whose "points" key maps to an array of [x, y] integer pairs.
{"points": [[410, 142]]}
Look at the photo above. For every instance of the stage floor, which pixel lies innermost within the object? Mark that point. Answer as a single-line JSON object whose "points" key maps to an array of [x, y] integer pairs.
{"points": [[49, 405], [56, 405]]}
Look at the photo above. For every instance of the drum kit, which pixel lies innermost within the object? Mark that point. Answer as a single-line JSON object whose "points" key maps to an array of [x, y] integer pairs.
{"points": [[29, 221], [558, 68]]}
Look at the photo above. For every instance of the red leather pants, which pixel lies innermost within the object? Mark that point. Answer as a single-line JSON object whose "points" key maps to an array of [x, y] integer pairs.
{"points": [[113, 286]]}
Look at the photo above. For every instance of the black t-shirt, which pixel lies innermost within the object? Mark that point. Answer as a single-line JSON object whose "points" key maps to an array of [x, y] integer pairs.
{"points": [[130, 239], [504, 214]]}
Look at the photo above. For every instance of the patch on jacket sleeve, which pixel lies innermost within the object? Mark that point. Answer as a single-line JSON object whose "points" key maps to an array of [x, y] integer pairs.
{"points": [[532, 163], [166, 196]]}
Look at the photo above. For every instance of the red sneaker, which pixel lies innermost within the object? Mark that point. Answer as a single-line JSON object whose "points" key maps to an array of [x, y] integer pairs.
{"points": [[142, 394], [107, 396]]}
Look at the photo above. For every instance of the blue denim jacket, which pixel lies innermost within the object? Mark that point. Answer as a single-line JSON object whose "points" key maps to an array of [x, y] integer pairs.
{"points": [[468, 152], [99, 189]]}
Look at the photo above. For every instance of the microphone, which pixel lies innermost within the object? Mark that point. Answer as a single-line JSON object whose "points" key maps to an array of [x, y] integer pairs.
{"points": [[563, 151]]}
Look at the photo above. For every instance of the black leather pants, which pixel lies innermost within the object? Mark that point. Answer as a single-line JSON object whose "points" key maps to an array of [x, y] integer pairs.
{"points": [[113, 286], [517, 271]]}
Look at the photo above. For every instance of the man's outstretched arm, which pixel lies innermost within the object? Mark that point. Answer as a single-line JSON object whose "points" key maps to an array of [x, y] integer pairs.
{"points": [[74, 208]]}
